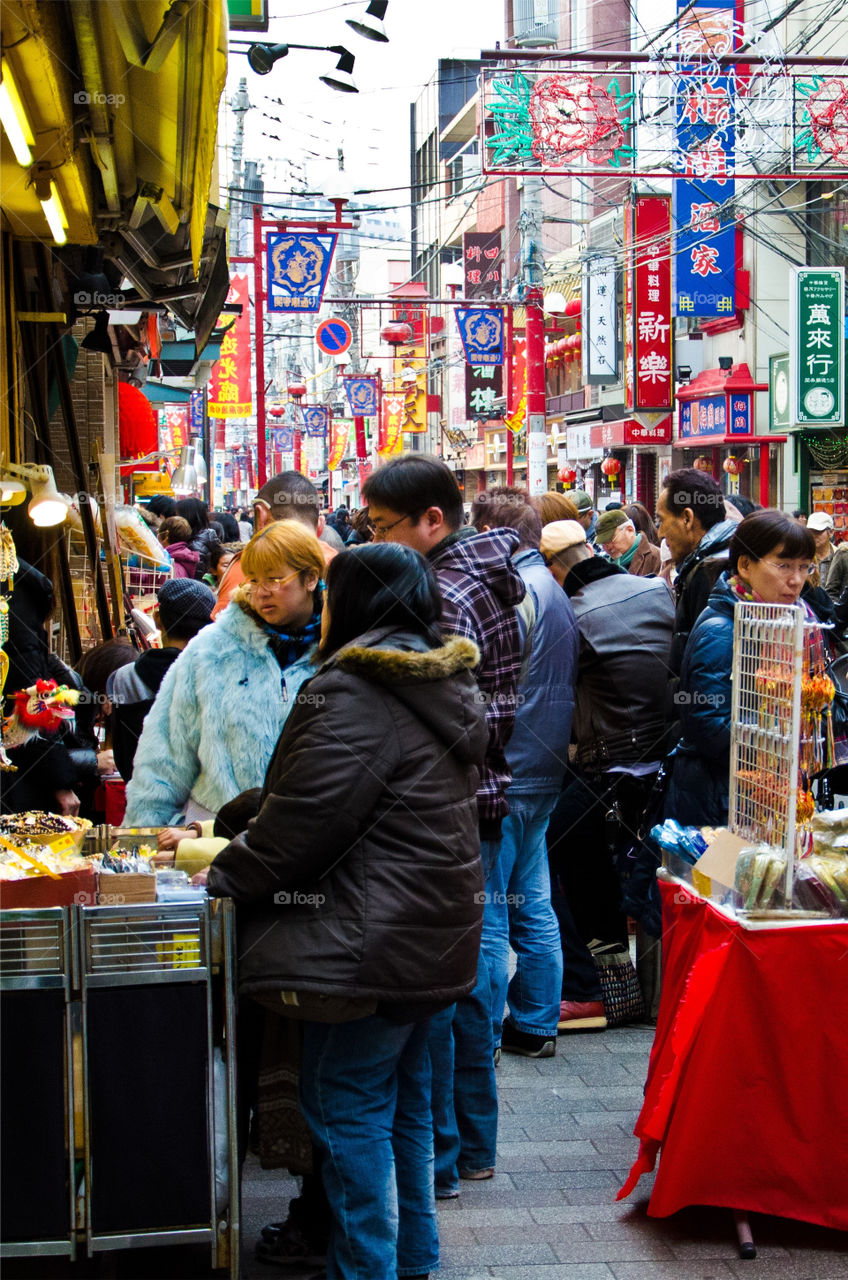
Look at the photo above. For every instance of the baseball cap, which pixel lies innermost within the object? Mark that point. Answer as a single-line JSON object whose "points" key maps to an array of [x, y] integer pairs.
{"points": [[559, 535], [185, 607], [819, 521], [607, 525], [581, 499]]}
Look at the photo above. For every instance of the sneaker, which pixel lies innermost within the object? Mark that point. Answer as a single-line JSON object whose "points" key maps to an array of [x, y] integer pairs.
{"points": [[525, 1044], [577, 1015], [289, 1245], [476, 1175], [498, 1056], [446, 1193]]}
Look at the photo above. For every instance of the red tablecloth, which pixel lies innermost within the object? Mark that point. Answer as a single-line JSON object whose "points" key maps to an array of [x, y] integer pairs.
{"points": [[747, 1093]]}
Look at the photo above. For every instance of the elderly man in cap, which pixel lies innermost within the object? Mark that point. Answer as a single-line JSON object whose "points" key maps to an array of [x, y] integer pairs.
{"points": [[625, 626], [617, 535]]}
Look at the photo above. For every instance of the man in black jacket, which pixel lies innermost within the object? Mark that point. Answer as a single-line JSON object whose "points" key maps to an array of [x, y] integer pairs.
{"points": [[183, 608], [693, 520]]}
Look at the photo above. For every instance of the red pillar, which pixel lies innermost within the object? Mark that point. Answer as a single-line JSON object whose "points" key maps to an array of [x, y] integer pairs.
{"points": [[764, 476], [535, 336], [259, 345], [363, 468], [298, 449]]}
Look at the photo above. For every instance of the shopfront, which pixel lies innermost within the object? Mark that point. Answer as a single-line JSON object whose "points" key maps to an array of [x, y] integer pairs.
{"points": [[716, 434], [822, 460]]}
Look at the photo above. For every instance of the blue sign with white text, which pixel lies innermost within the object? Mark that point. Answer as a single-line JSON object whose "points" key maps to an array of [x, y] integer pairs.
{"points": [[705, 417], [482, 332], [298, 265]]}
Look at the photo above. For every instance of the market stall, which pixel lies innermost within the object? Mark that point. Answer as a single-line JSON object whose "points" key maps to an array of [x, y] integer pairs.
{"points": [[118, 1054], [744, 1100]]}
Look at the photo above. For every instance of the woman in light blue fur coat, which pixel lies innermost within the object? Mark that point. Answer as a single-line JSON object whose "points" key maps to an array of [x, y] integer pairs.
{"points": [[219, 712]]}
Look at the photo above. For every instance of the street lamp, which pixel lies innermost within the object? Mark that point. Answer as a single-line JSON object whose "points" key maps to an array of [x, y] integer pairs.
{"points": [[261, 59], [371, 25]]}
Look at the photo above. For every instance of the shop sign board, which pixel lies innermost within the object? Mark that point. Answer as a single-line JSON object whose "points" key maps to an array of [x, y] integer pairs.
{"points": [[229, 383], [817, 352], [704, 417], [482, 332], [483, 386], [537, 455], [482, 261], [648, 318], [579, 446], [297, 267], [638, 432], [739, 406], [248, 15], [600, 315], [779, 392]]}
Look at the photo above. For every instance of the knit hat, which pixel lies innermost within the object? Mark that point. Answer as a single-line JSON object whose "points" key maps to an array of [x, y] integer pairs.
{"points": [[581, 499], [819, 521], [607, 525], [185, 607], [559, 535]]}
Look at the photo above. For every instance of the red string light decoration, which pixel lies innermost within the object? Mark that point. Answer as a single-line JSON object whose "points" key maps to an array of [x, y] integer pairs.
{"points": [[138, 432], [571, 114]]}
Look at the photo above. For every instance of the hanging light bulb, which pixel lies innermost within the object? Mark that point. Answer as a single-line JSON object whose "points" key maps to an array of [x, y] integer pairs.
{"points": [[184, 479]]}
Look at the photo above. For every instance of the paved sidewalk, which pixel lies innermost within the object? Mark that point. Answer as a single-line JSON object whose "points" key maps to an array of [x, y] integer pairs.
{"points": [[565, 1145]]}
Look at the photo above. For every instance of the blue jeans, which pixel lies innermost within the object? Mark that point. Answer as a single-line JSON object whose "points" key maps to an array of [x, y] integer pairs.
{"points": [[365, 1093], [465, 1095], [518, 911]]}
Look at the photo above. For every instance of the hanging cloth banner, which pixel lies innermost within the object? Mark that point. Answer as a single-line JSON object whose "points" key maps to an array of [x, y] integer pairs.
{"points": [[298, 265], [283, 438], [229, 383], [482, 332], [362, 396], [339, 439], [703, 195], [392, 432], [316, 419]]}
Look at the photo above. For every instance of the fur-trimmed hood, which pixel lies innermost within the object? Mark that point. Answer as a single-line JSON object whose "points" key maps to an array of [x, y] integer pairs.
{"points": [[435, 683]]}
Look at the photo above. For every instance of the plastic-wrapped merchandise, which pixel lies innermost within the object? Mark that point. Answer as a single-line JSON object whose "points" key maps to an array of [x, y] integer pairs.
{"points": [[826, 870], [759, 877], [810, 893], [686, 842]]}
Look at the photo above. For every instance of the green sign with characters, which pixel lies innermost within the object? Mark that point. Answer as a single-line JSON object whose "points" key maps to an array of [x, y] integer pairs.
{"points": [[817, 356]]}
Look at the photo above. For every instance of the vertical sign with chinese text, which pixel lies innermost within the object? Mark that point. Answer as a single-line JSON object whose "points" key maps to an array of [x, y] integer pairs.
{"points": [[600, 337], [229, 382], [482, 263], [817, 353], [483, 385], [650, 323]]}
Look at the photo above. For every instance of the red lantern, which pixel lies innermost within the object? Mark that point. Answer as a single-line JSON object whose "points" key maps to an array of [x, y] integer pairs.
{"points": [[573, 307], [566, 475], [610, 467], [277, 412], [731, 466], [297, 390], [702, 464], [397, 333], [138, 432]]}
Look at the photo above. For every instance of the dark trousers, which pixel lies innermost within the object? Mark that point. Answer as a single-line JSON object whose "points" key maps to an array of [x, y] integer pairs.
{"points": [[594, 814]]}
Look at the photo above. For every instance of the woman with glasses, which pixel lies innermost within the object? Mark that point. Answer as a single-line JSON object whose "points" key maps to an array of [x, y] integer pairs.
{"points": [[770, 560], [359, 886], [215, 722]]}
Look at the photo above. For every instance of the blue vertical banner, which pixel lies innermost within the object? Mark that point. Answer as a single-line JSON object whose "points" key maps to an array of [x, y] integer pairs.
{"points": [[482, 332], [704, 247], [297, 266], [195, 412], [316, 419], [362, 396]]}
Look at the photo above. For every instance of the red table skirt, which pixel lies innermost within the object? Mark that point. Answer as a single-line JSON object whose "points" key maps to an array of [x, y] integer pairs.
{"points": [[747, 1093]]}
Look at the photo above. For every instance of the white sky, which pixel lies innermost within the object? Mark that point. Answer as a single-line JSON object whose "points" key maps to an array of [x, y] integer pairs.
{"points": [[372, 127]]}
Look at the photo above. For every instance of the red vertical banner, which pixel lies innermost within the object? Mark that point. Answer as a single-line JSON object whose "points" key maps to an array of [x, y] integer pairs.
{"points": [[629, 389], [392, 427], [229, 383], [651, 328]]}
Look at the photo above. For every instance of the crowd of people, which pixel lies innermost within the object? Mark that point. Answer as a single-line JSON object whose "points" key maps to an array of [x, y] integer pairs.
{"points": [[422, 742]]}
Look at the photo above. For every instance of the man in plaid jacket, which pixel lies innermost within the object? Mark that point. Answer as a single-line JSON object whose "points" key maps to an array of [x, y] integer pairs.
{"points": [[415, 500]]}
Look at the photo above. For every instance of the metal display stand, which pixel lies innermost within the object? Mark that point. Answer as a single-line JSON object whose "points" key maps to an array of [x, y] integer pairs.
{"points": [[147, 984]]}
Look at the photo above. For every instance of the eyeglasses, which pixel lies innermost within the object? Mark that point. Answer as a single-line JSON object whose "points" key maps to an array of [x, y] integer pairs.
{"points": [[270, 584], [381, 530], [788, 568]]}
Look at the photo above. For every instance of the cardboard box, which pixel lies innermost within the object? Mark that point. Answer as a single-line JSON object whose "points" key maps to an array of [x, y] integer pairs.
{"points": [[125, 888]]}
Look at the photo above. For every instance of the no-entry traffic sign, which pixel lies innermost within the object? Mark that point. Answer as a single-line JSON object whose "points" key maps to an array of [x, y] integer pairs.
{"points": [[333, 336]]}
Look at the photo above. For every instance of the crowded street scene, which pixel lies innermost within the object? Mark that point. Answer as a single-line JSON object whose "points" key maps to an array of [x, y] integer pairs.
{"points": [[423, 640]]}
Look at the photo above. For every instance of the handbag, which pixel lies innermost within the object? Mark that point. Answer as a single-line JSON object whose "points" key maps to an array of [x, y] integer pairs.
{"points": [[620, 990]]}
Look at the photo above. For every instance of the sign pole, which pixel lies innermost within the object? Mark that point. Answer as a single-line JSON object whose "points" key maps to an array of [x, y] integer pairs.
{"points": [[259, 347]]}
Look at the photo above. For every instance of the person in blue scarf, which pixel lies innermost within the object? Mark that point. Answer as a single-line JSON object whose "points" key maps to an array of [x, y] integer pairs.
{"points": [[220, 709]]}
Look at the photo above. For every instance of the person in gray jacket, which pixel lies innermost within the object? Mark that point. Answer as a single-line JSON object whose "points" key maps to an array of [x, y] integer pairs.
{"points": [[517, 911], [625, 625]]}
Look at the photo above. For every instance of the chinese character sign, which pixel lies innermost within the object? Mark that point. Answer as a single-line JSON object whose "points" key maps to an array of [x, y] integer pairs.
{"points": [[817, 353], [483, 386], [229, 383], [600, 336], [339, 438], [362, 396], [651, 385], [392, 427], [482, 262], [482, 334], [297, 266], [705, 417], [195, 413]]}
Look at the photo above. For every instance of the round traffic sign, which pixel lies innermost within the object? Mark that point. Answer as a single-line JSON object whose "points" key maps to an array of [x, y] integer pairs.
{"points": [[333, 336]]}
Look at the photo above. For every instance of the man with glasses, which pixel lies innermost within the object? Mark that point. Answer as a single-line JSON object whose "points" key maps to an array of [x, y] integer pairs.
{"points": [[693, 520], [415, 500]]}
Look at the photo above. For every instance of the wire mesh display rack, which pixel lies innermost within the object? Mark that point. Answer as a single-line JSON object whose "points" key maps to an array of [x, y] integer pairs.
{"points": [[142, 577], [107, 981]]}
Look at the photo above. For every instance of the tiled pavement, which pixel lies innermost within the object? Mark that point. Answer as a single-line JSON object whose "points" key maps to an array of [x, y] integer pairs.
{"points": [[565, 1145]]}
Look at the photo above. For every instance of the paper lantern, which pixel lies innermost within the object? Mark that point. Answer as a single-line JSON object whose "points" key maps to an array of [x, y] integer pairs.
{"points": [[610, 466], [137, 430], [573, 307], [396, 333], [566, 475], [297, 390], [277, 412], [731, 466], [702, 464]]}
